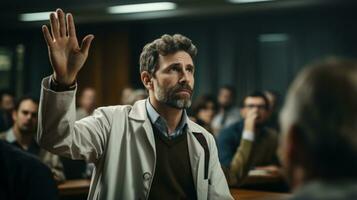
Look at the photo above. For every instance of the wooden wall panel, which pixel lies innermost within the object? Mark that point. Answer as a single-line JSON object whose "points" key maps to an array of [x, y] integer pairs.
{"points": [[107, 67]]}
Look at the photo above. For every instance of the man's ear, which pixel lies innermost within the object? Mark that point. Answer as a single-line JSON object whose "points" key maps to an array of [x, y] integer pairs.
{"points": [[14, 115], [146, 80]]}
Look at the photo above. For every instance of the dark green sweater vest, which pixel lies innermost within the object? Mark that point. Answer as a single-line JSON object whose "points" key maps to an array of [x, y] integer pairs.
{"points": [[173, 177]]}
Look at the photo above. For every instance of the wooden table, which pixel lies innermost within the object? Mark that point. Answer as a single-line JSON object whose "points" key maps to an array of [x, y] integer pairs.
{"points": [[74, 187], [241, 194], [81, 187], [261, 177]]}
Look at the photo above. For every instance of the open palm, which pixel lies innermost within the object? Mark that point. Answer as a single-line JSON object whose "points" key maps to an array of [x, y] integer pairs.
{"points": [[66, 56]]}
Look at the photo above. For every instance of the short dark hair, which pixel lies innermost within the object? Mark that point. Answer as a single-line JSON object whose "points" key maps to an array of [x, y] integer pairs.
{"points": [[4, 92], [322, 107], [231, 89], [22, 99], [201, 103], [166, 44], [256, 94]]}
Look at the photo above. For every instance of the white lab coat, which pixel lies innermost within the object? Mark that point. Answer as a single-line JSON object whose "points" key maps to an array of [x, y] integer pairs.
{"points": [[120, 141]]}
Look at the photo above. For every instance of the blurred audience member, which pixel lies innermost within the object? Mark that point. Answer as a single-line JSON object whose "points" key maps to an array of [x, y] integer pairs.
{"points": [[125, 96], [203, 111], [87, 103], [319, 132], [77, 169], [136, 95], [23, 131], [24, 176], [274, 101], [248, 143], [6, 107], [227, 112]]}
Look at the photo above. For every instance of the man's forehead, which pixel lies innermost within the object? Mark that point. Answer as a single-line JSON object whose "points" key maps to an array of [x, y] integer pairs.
{"points": [[179, 56], [225, 91], [28, 105], [254, 100]]}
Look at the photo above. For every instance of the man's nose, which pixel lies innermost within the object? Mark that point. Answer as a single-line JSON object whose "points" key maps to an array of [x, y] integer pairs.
{"points": [[184, 77], [255, 108]]}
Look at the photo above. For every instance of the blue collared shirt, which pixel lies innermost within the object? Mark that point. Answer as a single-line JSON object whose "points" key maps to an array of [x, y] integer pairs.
{"points": [[161, 124]]}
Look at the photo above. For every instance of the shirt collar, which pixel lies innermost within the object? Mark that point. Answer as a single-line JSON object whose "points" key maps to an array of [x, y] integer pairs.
{"points": [[155, 116], [10, 136]]}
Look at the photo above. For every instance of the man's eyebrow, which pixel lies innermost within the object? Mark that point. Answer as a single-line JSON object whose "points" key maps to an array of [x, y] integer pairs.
{"points": [[175, 64], [191, 65]]}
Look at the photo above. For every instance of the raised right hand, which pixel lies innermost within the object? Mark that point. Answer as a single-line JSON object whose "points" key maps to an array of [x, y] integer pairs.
{"points": [[66, 57]]}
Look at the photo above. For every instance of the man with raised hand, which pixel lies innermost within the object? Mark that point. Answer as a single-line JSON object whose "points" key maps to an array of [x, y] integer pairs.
{"points": [[150, 150]]}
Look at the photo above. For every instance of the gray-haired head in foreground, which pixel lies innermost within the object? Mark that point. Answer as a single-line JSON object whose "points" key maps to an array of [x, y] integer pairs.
{"points": [[165, 45], [322, 107]]}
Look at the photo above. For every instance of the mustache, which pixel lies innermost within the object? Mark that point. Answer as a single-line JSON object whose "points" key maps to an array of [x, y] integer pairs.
{"points": [[183, 87]]}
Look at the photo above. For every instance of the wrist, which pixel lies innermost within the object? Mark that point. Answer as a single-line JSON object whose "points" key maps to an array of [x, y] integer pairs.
{"points": [[65, 82], [60, 87], [248, 135], [249, 128]]}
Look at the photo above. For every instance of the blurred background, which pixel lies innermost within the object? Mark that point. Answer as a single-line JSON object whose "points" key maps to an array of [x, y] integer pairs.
{"points": [[252, 45], [243, 46]]}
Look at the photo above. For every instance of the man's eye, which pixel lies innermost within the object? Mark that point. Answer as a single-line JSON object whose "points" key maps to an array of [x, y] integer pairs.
{"points": [[190, 70], [175, 69]]}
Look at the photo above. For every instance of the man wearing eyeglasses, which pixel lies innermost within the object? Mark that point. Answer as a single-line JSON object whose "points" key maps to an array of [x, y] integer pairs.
{"points": [[248, 143]]}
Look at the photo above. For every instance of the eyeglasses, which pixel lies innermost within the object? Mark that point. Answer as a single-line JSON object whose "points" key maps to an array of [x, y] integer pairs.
{"points": [[260, 107]]}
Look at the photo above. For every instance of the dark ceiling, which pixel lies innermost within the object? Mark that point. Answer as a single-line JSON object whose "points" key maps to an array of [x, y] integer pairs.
{"points": [[93, 11]]}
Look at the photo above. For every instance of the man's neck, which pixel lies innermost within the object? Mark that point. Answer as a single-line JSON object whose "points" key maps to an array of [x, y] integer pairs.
{"points": [[23, 139], [170, 114], [225, 109]]}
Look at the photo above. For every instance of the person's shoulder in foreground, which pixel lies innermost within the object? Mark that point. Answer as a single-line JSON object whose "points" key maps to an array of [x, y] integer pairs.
{"points": [[23, 176], [319, 130], [334, 190]]}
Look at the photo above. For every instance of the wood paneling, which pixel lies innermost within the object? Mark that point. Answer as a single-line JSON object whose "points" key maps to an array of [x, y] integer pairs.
{"points": [[107, 67]]}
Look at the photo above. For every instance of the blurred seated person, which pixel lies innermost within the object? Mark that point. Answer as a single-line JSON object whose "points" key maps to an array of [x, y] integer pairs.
{"points": [[22, 135], [136, 95], [78, 169], [6, 106], [319, 132], [274, 105], [23, 176], [125, 95], [203, 111], [87, 103], [248, 143], [227, 113]]}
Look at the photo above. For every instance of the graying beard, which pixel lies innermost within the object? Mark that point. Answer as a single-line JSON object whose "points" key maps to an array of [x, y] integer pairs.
{"points": [[176, 103], [179, 103]]}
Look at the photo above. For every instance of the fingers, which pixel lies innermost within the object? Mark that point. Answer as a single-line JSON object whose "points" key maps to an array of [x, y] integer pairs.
{"points": [[86, 43], [252, 113], [58, 24], [54, 26], [47, 35], [62, 22], [70, 26]]}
